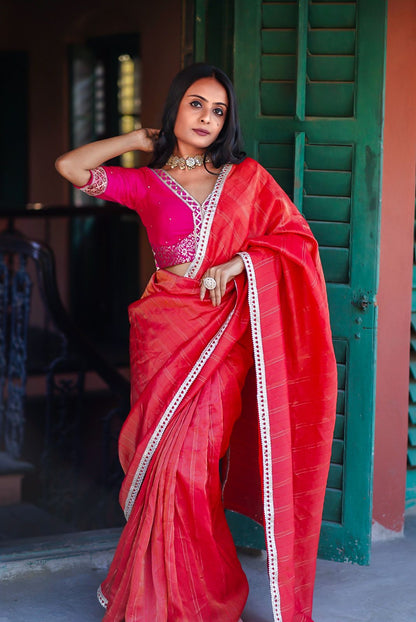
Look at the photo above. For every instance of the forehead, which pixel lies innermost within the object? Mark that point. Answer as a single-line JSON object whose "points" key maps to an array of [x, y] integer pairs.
{"points": [[210, 89]]}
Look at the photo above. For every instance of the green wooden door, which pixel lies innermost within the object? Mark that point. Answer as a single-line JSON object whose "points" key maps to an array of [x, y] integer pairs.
{"points": [[309, 80]]}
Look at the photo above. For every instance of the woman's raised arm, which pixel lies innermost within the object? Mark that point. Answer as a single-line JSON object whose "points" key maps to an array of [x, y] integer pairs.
{"points": [[75, 165]]}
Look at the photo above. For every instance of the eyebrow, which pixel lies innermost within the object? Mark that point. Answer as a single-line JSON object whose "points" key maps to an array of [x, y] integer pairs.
{"points": [[205, 100]]}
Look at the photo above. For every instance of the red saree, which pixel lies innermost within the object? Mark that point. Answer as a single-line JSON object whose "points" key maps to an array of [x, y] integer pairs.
{"points": [[189, 362]]}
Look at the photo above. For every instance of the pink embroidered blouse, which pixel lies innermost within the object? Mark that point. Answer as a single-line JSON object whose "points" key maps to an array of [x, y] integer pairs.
{"points": [[172, 217]]}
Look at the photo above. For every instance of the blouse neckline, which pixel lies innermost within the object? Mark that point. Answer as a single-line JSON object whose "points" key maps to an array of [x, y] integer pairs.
{"points": [[182, 192]]}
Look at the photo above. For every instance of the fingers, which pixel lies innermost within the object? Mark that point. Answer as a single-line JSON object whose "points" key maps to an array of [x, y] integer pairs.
{"points": [[152, 133], [220, 275], [147, 138]]}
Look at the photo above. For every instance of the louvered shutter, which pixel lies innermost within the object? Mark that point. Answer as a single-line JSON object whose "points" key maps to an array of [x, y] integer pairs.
{"points": [[309, 79]]}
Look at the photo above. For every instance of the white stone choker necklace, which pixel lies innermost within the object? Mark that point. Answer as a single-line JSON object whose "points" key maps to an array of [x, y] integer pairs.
{"points": [[188, 162]]}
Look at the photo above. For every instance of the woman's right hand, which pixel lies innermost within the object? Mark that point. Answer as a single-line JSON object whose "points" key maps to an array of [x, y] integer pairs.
{"points": [[147, 138]]}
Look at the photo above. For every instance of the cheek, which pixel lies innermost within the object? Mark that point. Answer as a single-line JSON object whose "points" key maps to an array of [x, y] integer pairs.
{"points": [[178, 127], [179, 119], [220, 122]]}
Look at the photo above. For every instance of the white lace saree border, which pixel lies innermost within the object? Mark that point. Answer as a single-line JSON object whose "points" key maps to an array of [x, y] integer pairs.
{"points": [[167, 416], [264, 423], [101, 598], [210, 209]]}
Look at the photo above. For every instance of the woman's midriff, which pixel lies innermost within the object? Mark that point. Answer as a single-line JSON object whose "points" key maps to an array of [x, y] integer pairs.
{"points": [[180, 269]]}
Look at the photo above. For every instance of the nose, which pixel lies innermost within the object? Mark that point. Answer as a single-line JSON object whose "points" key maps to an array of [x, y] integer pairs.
{"points": [[205, 116]]}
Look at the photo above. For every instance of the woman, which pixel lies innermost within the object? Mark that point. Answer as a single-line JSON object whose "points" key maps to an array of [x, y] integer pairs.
{"points": [[238, 283]]}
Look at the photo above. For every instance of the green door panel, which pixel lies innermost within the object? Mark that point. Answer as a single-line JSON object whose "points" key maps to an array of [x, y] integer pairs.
{"points": [[213, 33], [297, 75], [309, 78]]}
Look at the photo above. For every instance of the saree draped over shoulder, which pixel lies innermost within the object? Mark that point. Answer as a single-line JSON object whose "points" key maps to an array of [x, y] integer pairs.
{"points": [[269, 340]]}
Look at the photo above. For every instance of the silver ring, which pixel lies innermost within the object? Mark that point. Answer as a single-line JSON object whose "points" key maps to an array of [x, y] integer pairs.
{"points": [[209, 282]]}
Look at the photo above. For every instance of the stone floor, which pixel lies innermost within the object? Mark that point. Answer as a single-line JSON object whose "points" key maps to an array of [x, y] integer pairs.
{"points": [[63, 590]]}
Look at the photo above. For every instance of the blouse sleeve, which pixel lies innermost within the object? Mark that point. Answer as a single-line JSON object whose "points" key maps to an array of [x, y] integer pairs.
{"points": [[115, 183]]}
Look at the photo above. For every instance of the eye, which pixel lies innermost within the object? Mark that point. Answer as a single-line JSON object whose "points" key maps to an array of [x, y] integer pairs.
{"points": [[196, 103], [219, 112]]}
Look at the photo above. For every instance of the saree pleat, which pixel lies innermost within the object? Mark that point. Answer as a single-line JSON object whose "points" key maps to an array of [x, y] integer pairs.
{"points": [[179, 561]]}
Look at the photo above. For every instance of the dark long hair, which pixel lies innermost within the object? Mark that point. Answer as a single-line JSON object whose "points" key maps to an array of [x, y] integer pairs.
{"points": [[227, 147]]}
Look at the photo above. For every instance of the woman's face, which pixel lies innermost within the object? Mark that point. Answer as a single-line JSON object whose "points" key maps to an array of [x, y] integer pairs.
{"points": [[201, 116]]}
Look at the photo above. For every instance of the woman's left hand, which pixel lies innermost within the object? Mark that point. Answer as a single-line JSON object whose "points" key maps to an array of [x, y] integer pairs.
{"points": [[222, 275]]}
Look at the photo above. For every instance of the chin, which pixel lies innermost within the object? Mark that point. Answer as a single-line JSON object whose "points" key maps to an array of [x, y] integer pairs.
{"points": [[195, 145]]}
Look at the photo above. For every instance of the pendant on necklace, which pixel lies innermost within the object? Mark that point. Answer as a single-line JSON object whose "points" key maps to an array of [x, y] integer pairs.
{"points": [[189, 162]]}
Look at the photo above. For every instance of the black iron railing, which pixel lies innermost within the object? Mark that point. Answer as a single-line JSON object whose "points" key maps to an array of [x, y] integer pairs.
{"points": [[70, 444]]}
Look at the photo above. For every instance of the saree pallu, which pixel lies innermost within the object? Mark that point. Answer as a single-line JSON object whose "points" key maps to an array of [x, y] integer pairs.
{"points": [[189, 362]]}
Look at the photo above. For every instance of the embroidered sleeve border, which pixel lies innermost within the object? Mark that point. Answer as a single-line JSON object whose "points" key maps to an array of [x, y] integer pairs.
{"points": [[97, 184]]}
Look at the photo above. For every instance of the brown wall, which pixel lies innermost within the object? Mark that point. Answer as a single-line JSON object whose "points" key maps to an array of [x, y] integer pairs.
{"points": [[45, 29], [396, 258]]}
